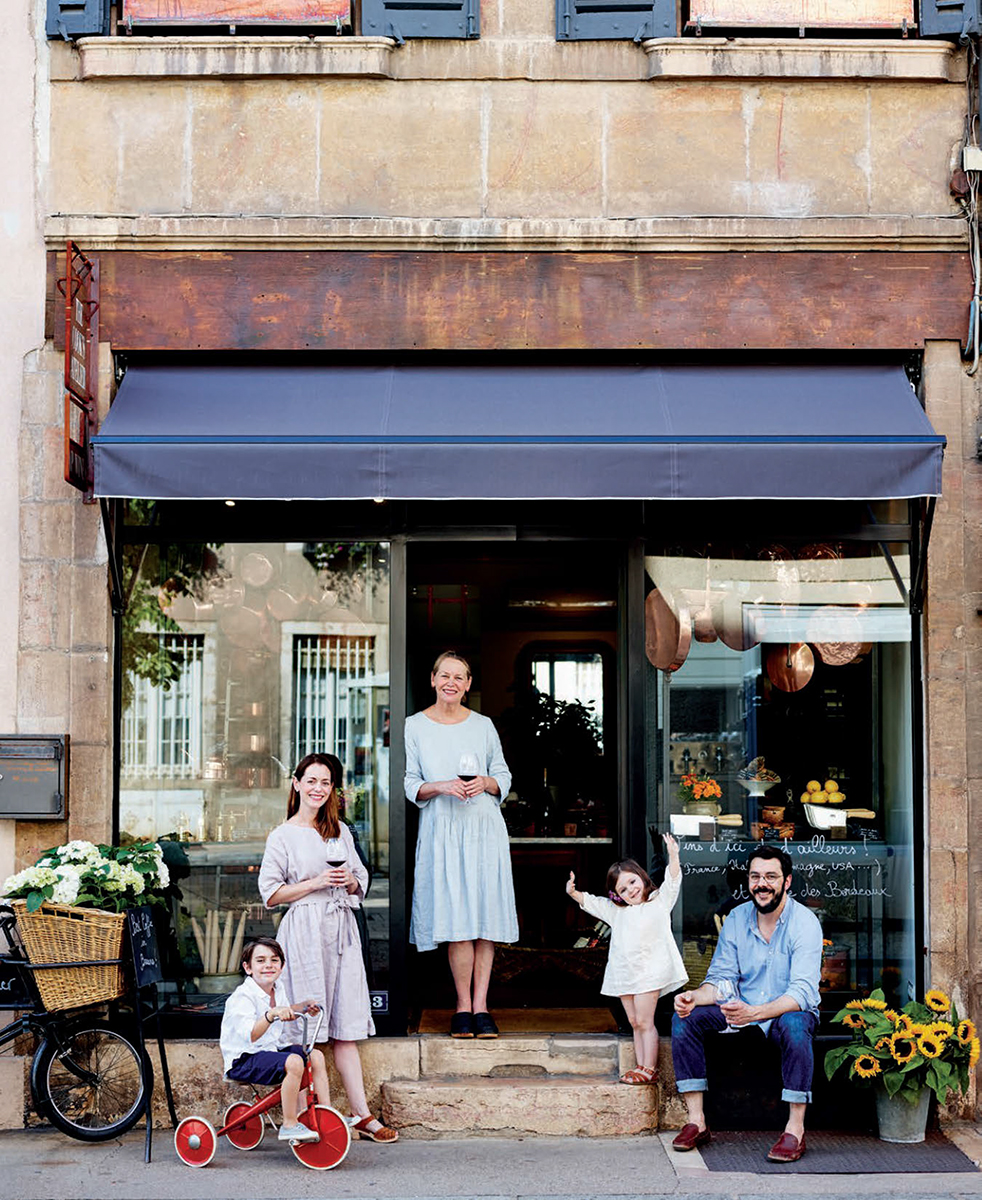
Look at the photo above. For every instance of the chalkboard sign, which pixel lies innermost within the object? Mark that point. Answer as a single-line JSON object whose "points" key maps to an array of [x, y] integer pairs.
{"points": [[143, 940]]}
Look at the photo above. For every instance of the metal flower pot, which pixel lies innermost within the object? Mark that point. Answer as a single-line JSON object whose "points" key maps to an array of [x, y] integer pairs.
{"points": [[899, 1121]]}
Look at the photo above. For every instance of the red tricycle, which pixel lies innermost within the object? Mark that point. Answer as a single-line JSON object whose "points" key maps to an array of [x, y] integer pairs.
{"points": [[195, 1138]]}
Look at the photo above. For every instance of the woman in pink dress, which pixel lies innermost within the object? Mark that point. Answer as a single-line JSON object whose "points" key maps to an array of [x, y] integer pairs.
{"points": [[318, 933]]}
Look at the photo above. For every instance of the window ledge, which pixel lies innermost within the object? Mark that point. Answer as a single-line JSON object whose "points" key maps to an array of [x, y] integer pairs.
{"points": [[801, 58], [225, 57], [317, 232]]}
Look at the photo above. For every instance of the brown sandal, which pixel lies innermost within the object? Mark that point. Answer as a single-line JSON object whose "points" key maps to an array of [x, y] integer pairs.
{"points": [[640, 1075], [382, 1134]]}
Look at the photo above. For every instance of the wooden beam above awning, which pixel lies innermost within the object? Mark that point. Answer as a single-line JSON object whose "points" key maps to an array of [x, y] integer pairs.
{"points": [[500, 300]]}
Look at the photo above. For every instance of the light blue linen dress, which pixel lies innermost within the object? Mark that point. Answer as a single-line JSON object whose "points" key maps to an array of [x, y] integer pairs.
{"points": [[463, 888]]}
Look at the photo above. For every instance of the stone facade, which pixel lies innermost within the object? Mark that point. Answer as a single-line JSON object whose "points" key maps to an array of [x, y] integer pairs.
{"points": [[510, 142]]}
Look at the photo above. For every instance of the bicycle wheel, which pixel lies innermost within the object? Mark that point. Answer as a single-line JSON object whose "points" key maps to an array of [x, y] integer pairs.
{"points": [[88, 1081], [249, 1134], [195, 1141], [335, 1139]]}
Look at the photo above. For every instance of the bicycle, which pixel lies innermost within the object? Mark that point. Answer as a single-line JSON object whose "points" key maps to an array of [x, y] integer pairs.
{"points": [[244, 1124], [87, 1077]]}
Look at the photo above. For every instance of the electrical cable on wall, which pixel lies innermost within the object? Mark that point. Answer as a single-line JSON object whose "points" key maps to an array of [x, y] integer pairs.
{"points": [[971, 156]]}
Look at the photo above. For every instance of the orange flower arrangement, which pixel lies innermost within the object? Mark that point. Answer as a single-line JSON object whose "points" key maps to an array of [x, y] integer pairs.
{"points": [[693, 787]]}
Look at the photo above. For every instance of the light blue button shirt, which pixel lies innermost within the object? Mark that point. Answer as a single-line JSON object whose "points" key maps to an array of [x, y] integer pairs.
{"points": [[790, 964]]}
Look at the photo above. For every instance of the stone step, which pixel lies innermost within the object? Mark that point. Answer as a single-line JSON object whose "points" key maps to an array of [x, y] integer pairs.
{"points": [[547, 1106], [521, 1055]]}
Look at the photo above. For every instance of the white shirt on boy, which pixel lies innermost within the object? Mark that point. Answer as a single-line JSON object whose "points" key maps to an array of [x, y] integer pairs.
{"points": [[246, 1005]]}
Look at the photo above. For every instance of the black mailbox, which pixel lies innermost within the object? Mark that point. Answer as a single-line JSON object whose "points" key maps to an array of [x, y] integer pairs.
{"points": [[34, 778]]}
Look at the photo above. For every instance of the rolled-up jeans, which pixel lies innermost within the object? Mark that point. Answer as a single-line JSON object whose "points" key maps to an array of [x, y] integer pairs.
{"points": [[792, 1032]]}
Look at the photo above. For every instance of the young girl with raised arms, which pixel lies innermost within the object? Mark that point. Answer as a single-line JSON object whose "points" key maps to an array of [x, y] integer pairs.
{"points": [[644, 960]]}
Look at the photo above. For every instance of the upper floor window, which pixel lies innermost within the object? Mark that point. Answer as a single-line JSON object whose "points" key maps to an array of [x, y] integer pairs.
{"points": [[399, 19], [576, 20]]}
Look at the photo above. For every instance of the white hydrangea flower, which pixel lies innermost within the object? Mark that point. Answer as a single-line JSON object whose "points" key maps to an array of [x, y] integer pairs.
{"points": [[130, 877], [79, 851], [30, 879], [111, 877], [66, 889]]}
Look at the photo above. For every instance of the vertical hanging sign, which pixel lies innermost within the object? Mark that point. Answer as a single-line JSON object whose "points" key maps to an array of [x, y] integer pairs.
{"points": [[80, 287]]}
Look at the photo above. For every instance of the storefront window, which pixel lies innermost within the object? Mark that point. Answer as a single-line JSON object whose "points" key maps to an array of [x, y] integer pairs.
{"points": [[237, 661], [779, 710]]}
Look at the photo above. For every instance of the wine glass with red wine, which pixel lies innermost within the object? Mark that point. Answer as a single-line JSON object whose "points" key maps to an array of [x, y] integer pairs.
{"points": [[467, 768], [337, 856]]}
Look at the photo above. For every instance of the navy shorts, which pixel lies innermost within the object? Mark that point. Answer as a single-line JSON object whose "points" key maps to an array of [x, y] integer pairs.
{"points": [[265, 1066]]}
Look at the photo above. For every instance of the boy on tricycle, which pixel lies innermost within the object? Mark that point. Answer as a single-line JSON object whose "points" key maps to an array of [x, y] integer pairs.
{"points": [[254, 1050]]}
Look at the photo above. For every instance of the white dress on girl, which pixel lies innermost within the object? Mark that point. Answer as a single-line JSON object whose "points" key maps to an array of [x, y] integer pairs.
{"points": [[644, 956]]}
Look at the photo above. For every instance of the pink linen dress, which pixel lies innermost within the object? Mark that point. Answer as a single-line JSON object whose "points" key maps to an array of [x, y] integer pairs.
{"points": [[318, 933]]}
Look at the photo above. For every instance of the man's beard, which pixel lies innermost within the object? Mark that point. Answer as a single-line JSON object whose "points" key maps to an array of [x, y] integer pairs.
{"points": [[768, 906]]}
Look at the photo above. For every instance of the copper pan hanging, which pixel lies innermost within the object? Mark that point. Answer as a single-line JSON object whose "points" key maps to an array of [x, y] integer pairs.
{"points": [[790, 666], [846, 647], [703, 610], [733, 628], [702, 605], [667, 635], [818, 552]]}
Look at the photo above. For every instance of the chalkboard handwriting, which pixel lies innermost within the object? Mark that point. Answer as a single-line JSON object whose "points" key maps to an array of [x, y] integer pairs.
{"points": [[143, 939], [821, 869]]}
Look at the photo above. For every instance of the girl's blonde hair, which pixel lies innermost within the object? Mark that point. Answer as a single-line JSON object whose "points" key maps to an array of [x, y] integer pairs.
{"points": [[617, 869]]}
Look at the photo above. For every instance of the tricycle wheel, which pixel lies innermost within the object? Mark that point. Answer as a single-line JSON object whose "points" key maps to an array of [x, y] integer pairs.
{"points": [[335, 1139], [195, 1141], [247, 1135]]}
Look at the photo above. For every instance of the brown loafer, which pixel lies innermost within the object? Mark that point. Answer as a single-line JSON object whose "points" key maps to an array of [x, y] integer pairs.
{"points": [[691, 1137], [787, 1149]]}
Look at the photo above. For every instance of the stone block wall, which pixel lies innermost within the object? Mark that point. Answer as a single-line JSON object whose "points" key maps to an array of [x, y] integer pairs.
{"points": [[505, 128], [64, 660], [953, 704]]}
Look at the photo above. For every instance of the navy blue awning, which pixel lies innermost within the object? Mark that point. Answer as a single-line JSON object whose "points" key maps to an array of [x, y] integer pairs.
{"points": [[424, 431]]}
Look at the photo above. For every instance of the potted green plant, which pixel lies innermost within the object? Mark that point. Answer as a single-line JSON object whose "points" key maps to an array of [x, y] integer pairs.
{"points": [[84, 875], [907, 1056]]}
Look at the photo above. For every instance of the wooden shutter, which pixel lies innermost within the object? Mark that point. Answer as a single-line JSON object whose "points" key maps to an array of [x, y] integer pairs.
{"points": [[77, 18], [593, 19], [948, 18], [403, 19]]}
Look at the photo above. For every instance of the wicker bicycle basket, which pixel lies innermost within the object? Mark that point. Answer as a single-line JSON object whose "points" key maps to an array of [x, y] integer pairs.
{"points": [[59, 933]]}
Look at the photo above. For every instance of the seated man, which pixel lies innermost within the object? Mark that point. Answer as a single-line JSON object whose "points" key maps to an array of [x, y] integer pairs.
{"points": [[771, 948]]}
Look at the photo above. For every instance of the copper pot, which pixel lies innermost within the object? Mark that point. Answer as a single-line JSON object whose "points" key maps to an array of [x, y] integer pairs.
{"points": [[667, 636], [790, 666]]}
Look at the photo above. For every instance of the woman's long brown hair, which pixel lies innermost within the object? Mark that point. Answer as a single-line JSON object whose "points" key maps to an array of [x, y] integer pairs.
{"points": [[328, 819]]}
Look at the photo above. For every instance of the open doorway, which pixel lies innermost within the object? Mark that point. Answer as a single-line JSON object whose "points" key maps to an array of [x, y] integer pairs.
{"points": [[539, 624]]}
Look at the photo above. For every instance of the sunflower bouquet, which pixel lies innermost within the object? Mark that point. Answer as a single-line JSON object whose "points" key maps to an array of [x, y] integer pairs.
{"points": [[924, 1045]]}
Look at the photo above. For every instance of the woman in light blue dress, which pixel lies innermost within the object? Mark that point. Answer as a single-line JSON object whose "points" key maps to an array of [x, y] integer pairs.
{"points": [[463, 893]]}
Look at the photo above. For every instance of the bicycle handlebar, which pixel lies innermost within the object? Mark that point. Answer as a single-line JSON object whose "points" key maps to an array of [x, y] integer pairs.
{"points": [[309, 1045], [8, 922]]}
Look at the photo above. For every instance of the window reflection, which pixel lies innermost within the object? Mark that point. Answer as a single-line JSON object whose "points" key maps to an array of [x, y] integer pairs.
{"points": [[238, 663]]}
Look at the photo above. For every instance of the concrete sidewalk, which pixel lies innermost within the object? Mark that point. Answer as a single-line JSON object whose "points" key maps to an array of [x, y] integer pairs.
{"points": [[41, 1164]]}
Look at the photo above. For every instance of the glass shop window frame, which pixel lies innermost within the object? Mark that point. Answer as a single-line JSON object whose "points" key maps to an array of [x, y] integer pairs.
{"points": [[899, 932], [193, 690]]}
